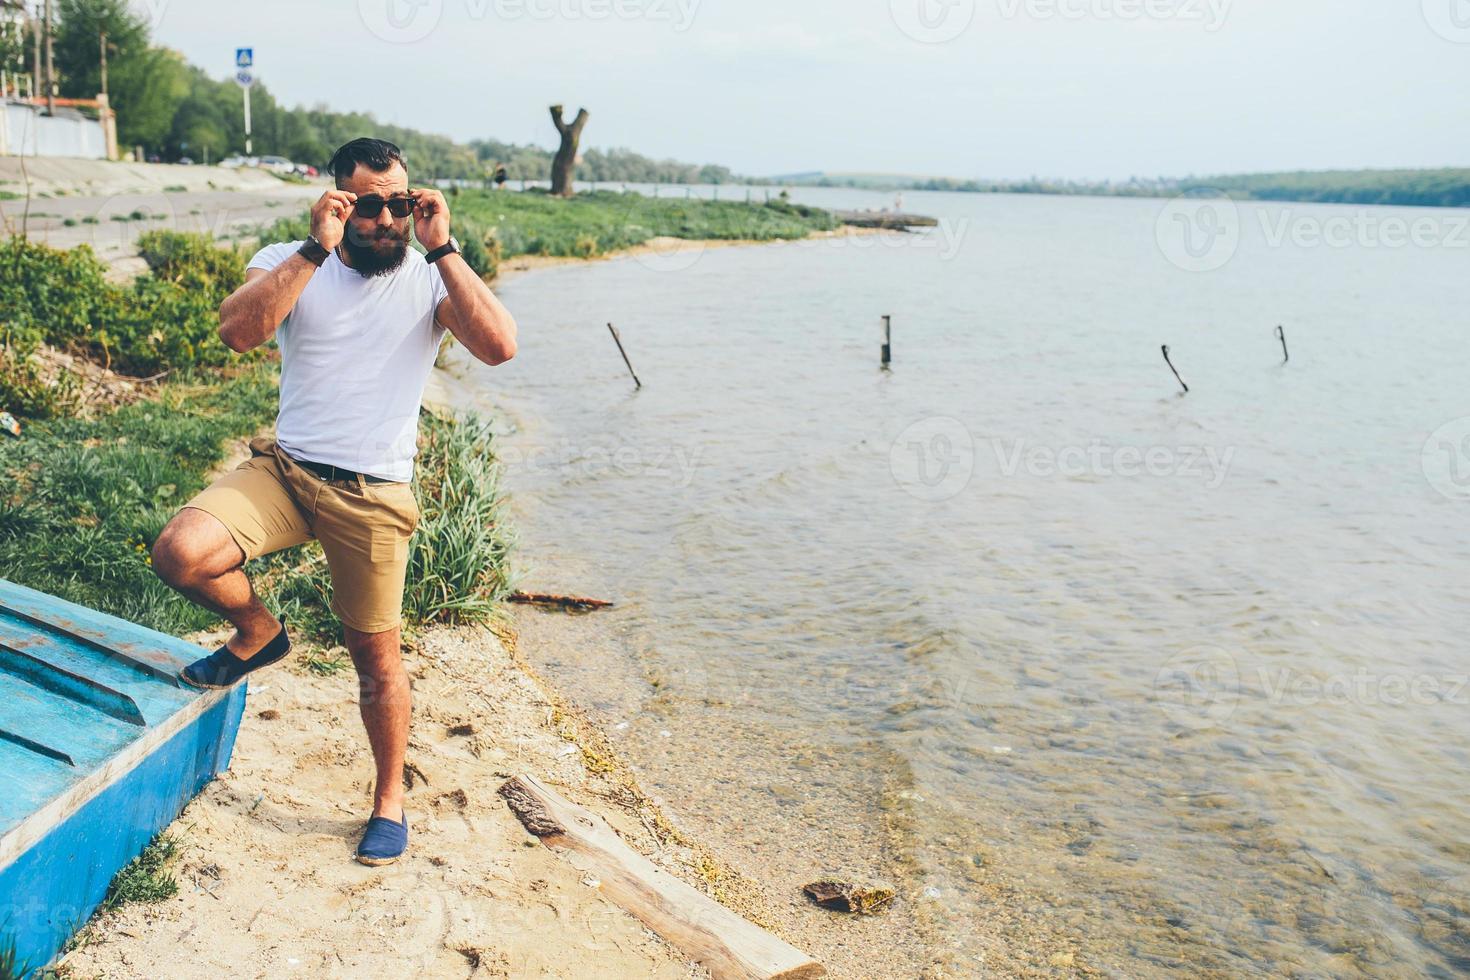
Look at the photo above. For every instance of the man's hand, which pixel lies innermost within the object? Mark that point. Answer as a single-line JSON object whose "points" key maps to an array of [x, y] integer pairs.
{"points": [[329, 217], [430, 218]]}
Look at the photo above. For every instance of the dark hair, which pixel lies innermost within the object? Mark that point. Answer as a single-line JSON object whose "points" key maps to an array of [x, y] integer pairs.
{"points": [[375, 154]]}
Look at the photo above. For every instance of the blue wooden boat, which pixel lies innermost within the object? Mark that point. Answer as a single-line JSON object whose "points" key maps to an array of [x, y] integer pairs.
{"points": [[100, 748]]}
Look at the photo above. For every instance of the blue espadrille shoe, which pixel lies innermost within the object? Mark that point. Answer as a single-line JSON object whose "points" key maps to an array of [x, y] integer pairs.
{"points": [[384, 841], [223, 669]]}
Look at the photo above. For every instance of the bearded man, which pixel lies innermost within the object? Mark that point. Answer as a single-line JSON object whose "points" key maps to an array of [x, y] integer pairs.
{"points": [[358, 316]]}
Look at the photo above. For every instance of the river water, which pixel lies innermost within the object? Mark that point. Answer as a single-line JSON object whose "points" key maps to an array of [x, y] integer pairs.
{"points": [[1178, 680]]}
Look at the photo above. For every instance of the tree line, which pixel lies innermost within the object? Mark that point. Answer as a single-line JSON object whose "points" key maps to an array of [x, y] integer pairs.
{"points": [[175, 110]]}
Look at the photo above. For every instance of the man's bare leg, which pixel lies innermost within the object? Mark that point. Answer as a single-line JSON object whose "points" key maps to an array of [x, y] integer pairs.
{"points": [[195, 555], [385, 702]]}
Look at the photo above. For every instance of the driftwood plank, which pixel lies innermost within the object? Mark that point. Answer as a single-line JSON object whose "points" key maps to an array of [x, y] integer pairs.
{"points": [[728, 945], [566, 601]]}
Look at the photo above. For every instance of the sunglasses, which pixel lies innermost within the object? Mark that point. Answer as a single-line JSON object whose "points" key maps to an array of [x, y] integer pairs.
{"points": [[371, 206]]}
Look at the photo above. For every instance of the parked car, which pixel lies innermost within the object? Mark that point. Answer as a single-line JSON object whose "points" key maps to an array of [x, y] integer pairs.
{"points": [[277, 165], [230, 163], [186, 161]]}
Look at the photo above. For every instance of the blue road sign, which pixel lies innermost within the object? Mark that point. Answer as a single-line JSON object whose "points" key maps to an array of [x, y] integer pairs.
{"points": [[244, 77], [244, 57]]}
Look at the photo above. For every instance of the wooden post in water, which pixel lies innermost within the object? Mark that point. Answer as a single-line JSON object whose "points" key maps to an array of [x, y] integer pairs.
{"points": [[887, 341], [619, 341], [1281, 335], [1174, 369]]}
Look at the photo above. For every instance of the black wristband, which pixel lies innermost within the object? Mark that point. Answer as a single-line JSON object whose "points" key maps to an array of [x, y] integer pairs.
{"points": [[314, 251], [448, 248]]}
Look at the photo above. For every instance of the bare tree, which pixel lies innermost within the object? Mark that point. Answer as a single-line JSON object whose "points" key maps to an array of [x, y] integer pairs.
{"points": [[564, 166]]}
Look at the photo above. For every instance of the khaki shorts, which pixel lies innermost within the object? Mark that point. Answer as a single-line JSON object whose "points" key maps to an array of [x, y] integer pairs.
{"points": [[269, 502]]}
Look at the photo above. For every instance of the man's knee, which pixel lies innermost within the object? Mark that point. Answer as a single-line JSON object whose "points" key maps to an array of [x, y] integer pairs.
{"points": [[193, 548]]}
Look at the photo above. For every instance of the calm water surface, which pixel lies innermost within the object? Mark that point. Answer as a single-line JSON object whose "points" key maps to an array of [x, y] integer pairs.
{"points": [[1181, 681]]}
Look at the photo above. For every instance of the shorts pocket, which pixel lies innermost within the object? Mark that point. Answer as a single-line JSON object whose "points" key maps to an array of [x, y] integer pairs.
{"points": [[387, 545], [399, 500]]}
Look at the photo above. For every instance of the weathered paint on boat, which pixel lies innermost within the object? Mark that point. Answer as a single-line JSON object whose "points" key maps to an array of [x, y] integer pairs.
{"points": [[100, 748]]}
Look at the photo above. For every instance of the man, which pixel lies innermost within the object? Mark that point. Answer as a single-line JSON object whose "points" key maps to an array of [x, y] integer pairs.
{"points": [[359, 317]]}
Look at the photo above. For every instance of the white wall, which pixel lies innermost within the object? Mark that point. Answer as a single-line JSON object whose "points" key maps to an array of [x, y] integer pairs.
{"points": [[24, 130]]}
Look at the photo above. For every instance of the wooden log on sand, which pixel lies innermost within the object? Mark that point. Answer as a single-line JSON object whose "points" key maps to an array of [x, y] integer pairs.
{"points": [[730, 947]]}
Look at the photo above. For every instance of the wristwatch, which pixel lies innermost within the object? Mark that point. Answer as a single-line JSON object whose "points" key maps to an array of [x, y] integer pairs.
{"points": [[448, 248], [315, 252]]}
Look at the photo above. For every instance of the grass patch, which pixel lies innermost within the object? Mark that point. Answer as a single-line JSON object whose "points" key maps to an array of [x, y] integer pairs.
{"points": [[497, 225], [325, 663], [458, 561], [175, 189], [147, 877], [83, 500]]}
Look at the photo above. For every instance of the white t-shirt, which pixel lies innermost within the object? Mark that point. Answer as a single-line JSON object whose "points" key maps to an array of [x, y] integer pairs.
{"points": [[356, 352]]}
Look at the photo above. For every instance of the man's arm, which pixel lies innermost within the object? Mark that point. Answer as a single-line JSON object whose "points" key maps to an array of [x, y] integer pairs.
{"points": [[250, 315], [470, 312], [474, 315]]}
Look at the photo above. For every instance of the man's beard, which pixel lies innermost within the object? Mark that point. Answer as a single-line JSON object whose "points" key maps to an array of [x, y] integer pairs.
{"points": [[376, 255]]}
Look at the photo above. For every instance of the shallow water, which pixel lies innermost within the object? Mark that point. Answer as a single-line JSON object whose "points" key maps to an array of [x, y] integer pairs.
{"points": [[1178, 681]]}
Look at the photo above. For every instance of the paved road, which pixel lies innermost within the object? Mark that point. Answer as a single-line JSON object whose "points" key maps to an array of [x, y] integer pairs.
{"points": [[96, 220]]}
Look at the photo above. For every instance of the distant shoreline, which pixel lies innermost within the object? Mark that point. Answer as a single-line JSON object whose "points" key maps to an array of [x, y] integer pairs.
{"points": [[1446, 187]]}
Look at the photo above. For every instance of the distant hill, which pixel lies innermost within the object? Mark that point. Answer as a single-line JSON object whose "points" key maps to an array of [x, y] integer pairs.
{"points": [[1448, 187]]}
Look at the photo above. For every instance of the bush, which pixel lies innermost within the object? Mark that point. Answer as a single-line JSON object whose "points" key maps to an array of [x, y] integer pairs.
{"points": [[161, 321], [25, 391]]}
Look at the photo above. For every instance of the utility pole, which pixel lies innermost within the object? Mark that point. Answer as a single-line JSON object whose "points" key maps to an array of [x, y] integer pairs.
{"points": [[50, 66], [104, 62], [36, 61]]}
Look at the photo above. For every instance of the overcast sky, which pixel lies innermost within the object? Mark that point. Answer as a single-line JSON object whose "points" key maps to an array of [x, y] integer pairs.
{"points": [[968, 88]]}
